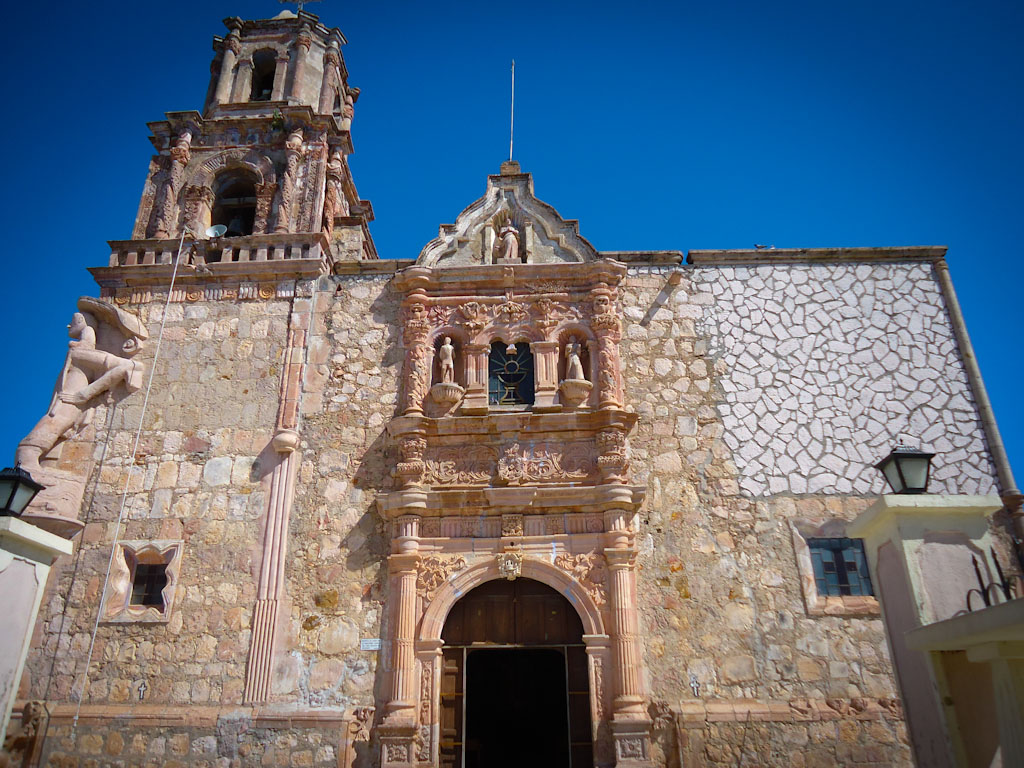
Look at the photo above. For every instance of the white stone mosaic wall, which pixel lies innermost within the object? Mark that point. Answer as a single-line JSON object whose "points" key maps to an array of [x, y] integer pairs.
{"points": [[824, 365]]}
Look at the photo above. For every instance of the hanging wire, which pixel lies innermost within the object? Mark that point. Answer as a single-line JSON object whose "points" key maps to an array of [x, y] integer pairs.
{"points": [[128, 478]]}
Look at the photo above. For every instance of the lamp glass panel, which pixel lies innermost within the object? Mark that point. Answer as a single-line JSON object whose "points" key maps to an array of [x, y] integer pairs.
{"points": [[892, 474], [6, 486], [915, 471], [22, 496]]}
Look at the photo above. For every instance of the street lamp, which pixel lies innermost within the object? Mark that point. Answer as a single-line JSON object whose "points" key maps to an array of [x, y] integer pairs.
{"points": [[17, 489], [906, 469]]}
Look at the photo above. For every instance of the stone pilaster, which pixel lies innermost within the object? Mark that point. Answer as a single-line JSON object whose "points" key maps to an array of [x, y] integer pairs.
{"points": [[475, 400], [545, 366], [264, 202], [243, 82], [166, 222], [286, 196]]}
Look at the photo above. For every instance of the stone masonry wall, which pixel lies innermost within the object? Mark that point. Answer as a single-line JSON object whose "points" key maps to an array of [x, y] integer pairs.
{"points": [[765, 415], [337, 572]]}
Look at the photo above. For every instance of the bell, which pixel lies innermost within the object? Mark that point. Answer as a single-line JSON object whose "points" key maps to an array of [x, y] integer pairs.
{"points": [[510, 349], [235, 227]]}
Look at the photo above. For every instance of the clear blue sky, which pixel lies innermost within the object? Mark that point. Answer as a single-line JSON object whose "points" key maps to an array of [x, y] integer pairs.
{"points": [[658, 126]]}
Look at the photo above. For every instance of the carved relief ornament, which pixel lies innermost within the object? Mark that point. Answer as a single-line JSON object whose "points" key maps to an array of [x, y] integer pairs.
{"points": [[589, 570], [435, 570]]}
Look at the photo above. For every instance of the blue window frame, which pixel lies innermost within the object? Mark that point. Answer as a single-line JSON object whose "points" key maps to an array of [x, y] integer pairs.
{"points": [[840, 567]]}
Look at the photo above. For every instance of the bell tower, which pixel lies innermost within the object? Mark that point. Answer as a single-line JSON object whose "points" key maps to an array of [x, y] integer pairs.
{"points": [[266, 159]]}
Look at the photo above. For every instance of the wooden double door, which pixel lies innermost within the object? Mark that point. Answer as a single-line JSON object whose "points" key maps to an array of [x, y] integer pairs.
{"points": [[514, 684]]}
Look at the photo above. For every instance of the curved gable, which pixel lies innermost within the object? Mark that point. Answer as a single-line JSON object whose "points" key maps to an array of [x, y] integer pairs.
{"points": [[543, 236]]}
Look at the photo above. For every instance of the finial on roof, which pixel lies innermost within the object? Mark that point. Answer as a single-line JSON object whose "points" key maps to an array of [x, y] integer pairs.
{"points": [[510, 167]]}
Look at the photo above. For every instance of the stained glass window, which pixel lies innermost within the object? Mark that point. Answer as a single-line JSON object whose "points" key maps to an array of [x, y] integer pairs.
{"points": [[840, 567], [510, 380]]}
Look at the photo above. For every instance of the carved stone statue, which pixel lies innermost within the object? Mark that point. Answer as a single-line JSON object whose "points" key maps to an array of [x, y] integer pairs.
{"points": [[508, 243], [573, 366], [446, 357], [91, 368], [574, 388]]}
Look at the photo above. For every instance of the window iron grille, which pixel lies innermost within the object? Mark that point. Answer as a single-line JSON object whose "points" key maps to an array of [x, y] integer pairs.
{"points": [[510, 380], [148, 584], [840, 567]]}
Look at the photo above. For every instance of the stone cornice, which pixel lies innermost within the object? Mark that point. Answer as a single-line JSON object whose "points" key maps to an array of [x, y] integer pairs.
{"points": [[525, 424], [754, 257], [494, 501], [495, 278]]}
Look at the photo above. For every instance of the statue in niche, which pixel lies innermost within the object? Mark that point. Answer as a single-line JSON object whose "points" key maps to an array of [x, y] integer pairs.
{"points": [[506, 246], [446, 392], [89, 371], [446, 356], [575, 388], [573, 366]]}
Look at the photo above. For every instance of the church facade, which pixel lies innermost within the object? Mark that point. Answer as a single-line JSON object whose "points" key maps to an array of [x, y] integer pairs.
{"points": [[515, 499]]}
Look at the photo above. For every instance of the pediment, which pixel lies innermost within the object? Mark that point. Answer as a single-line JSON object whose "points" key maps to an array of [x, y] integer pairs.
{"points": [[509, 210]]}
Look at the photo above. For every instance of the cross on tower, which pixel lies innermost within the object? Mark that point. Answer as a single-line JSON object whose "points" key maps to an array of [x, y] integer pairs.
{"points": [[299, 3]]}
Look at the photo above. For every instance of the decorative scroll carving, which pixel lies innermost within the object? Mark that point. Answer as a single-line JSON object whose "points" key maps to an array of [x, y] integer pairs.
{"points": [[511, 525], [475, 316], [460, 465], [598, 688], [510, 565], [536, 463], [422, 738], [435, 570], [264, 202], [396, 752], [589, 570], [417, 377]]}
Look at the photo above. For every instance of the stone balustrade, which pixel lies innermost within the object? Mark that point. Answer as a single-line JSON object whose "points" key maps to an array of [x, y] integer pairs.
{"points": [[276, 247]]}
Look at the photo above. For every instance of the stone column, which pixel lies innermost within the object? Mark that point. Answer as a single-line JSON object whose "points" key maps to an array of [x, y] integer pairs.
{"points": [[608, 391], [280, 78], [332, 60], [298, 67], [631, 727], [167, 202], [286, 196], [398, 729], [545, 367], [243, 82], [475, 400], [232, 47], [599, 654]]}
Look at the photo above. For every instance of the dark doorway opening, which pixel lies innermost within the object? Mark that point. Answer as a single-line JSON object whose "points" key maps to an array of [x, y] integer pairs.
{"points": [[515, 686], [516, 690]]}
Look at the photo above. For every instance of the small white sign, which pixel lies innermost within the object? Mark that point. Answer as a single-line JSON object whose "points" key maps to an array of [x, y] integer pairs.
{"points": [[369, 644]]}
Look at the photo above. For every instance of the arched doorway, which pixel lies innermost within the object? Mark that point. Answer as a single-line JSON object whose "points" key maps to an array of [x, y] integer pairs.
{"points": [[514, 682]]}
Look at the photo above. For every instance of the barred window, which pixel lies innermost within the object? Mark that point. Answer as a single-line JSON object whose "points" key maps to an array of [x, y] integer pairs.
{"points": [[510, 369], [840, 567]]}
